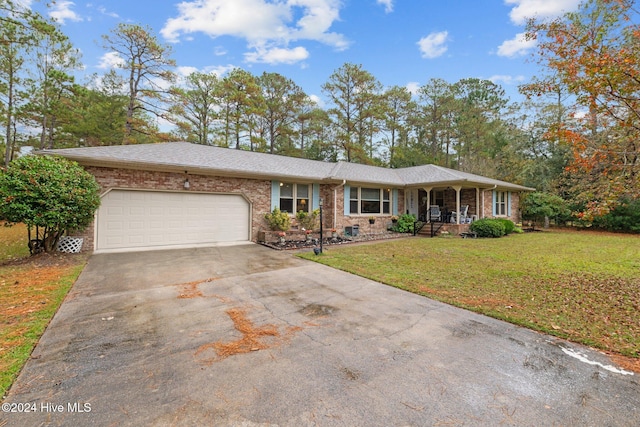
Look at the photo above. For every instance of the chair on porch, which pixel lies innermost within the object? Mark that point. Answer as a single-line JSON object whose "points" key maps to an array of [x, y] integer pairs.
{"points": [[463, 214], [435, 215]]}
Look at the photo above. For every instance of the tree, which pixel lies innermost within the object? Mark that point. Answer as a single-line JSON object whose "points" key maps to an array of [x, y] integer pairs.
{"points": [[398, 109], [19, 31], [283, 100], [542, 206], [194, 107], [11, 61], [52, 193], [479, 105], [355, 95], [538, 158], [433, 121], [95, 112], [54, 60], [148, 65], [241, 99], [594, 53]]}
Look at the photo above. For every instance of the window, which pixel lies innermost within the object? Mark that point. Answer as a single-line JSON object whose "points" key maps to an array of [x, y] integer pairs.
{"points": [[294, 195], [501, 203], [369, 201]]}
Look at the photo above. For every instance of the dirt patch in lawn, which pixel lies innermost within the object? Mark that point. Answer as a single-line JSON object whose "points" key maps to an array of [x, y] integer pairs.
{"points": [[31, 290]]}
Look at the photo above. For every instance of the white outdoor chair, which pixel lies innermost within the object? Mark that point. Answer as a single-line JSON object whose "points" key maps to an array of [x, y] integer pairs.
{"points": [[463, 215], [435, 214]]}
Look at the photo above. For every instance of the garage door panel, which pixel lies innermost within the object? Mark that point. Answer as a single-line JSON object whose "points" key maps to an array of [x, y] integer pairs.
{"points": [[130, 219]]}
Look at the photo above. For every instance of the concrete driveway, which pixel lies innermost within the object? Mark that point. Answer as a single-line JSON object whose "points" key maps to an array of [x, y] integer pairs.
{"points": [[248, 336]]}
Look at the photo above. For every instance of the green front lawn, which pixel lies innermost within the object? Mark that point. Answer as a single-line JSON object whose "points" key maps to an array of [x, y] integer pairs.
{"points": [[582, 286]]}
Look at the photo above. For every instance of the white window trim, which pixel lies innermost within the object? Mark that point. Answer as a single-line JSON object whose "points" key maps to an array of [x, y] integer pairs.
{"points": [[498, 202], [295, 196], [381, 200]]}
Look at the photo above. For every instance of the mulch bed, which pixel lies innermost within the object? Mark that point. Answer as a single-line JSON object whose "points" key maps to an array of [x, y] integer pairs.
{"points": [[332, 241]]}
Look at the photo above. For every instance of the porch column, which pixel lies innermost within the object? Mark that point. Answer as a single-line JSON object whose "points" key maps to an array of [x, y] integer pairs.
{"points": [[478, 202], [457, 188], [428, 214]]}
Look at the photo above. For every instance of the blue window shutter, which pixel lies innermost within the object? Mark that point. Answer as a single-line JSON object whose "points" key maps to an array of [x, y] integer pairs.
{"points": [[347, 199], [315, 202], [493, 203], [394, 202], [509, 203], [275, 194]]}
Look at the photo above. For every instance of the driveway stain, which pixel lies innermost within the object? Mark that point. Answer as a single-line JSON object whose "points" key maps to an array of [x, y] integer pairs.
{"points": [[191, 290], [317, 310], [254, 338]]}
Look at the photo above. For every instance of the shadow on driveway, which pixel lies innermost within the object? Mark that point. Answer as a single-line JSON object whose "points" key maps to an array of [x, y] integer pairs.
{"points": [[248, 336]]}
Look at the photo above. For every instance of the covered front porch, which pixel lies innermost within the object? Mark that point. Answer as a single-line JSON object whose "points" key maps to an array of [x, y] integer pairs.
{"points": [[453, 205]]}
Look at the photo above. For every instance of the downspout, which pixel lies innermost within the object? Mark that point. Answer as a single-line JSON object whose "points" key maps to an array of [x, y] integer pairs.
{"points": [[335, 202]]}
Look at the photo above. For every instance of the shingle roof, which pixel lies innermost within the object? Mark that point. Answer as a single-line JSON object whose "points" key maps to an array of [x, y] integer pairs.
{"points": [[208, 159]]}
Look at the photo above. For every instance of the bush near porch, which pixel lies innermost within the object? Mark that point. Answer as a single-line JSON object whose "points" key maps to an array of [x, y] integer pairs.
{"points": [[578, 285]]}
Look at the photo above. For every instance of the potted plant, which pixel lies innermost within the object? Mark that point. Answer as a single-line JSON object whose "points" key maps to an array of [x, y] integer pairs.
{"points": [[372, 220], [394, 219], [334, 233], [283, 237], [308, 234]]}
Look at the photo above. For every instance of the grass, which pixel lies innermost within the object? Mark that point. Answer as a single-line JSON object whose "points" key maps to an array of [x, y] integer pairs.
{"points": [[581, 286], [13, 242], [31, 290]]}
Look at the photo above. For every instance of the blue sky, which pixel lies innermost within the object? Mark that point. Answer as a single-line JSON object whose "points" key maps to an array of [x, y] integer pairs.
{"points": [[400, 42]]}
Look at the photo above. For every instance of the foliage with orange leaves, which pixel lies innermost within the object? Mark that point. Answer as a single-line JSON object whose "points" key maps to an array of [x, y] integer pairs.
{"points": [[594, 53]]}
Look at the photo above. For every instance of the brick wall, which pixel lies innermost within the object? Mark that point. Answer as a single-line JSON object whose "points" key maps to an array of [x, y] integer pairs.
{"points": [[382, 221], [515, 206], [258, 192]]}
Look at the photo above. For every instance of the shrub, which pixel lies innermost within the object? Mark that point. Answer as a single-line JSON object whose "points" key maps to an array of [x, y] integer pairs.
{"points": [[308, 220], [509, 226], [404, 224], [538, 206], [624, 217], [52, 193], [278, 220], [488, 227]]}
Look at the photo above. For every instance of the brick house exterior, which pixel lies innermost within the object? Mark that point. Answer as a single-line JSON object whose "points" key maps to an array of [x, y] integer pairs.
{"points": [[348, 191]]}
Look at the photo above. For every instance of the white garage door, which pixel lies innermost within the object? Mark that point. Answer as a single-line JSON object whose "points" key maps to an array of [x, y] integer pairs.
{"points": [[135, 220]]}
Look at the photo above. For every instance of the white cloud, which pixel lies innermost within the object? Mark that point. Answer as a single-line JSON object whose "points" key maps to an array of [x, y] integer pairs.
{"points": [[517, 46], [61, 12], [540, 9], [275, 24], [318, 100], [219, 51], [218, 70], [388, 5], [110, 60], [185, 71], [277, 55], [434, 44], [103, 10], [507, 80], [413, 87]]}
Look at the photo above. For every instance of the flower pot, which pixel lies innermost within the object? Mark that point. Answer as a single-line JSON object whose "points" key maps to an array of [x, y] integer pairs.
{"points": [[372, 221]]}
